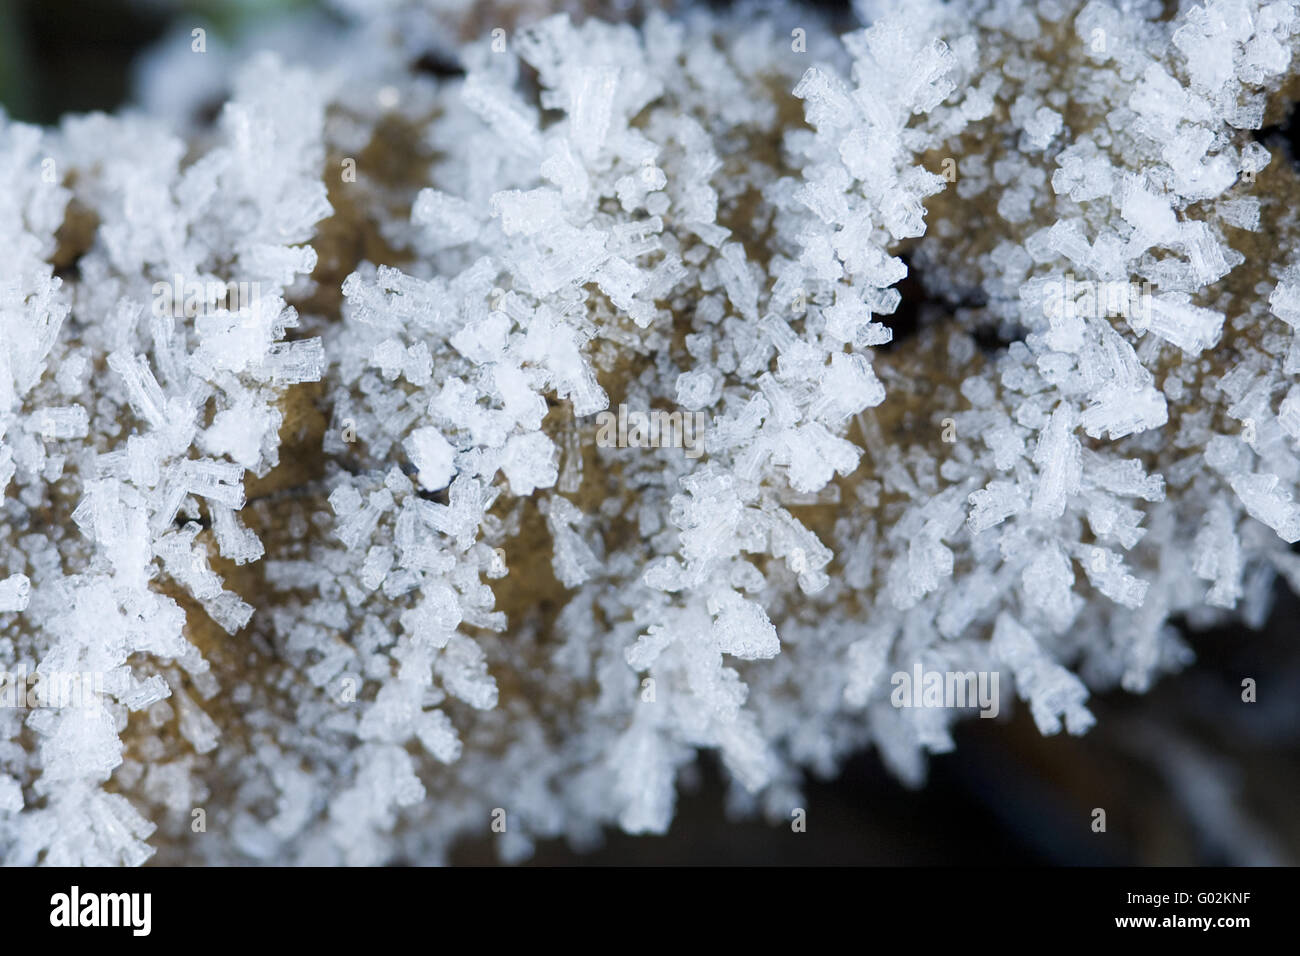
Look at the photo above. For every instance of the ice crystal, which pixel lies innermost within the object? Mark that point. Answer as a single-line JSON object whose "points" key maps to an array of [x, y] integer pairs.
{"points": [[448, 597]]}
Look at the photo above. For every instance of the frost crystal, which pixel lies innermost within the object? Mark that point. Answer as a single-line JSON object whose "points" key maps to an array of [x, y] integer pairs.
{"points": [[299, 414]]}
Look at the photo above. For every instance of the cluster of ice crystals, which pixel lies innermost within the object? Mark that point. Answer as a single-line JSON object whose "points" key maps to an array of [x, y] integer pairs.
{"points": [[127, 424], [474, 605]]}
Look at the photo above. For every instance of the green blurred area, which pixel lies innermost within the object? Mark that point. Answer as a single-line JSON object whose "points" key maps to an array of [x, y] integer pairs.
{"points": [[75, 56]]}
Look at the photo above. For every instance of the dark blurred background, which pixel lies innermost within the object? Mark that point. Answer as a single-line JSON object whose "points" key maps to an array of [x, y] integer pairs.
{"points": [[1187, 773], [60, 56]]}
